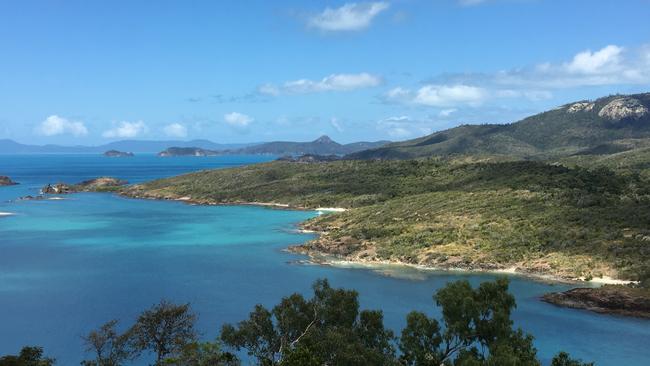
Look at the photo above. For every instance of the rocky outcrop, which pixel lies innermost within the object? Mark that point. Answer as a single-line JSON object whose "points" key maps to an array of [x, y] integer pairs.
{"points": [[623, 108], [580, 107], [118, 154], [6, 181], [92, 185], [58, 188], [612, 299]]}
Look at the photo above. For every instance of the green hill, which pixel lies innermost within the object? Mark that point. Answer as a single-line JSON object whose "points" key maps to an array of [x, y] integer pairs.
{"points": [[599, 126]]}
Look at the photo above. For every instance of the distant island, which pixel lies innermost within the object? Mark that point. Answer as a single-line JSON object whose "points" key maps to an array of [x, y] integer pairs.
{"points": [[6, 181], [323, 145], [118, 154], [187, 151], [8, 146]]}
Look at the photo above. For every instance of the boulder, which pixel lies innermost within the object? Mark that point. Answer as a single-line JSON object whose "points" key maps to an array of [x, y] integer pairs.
{"points": [[623, 108]]}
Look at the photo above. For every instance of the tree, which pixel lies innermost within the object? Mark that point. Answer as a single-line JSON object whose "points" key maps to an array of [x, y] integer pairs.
{"points": [[109, 347], [326, 329], [165, 329], [28, 356], [477, 329], [563, 359], [203, 354]]}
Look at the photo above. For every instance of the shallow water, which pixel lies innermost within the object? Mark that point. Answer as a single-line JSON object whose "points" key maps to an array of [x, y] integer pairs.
{"points": [[66, 266]]}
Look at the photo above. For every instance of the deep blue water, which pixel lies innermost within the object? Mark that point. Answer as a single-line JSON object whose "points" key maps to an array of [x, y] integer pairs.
{"points": [[67, 266]]}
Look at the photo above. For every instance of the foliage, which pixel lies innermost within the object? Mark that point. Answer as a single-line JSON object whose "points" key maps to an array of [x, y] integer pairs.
{"points": [[165, 329], [326, 329], [28, 356], [202, 354], [563, 359], [477, 329], [109, 347]]}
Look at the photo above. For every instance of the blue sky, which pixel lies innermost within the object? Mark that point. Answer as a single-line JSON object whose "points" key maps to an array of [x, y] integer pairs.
{"points": [[89, 72]]}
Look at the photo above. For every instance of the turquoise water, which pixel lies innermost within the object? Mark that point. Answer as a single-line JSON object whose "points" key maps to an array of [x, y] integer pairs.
{"points": [[66, 266]]}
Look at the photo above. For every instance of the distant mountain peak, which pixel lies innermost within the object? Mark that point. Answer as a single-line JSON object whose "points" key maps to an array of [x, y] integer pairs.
{"points": [[324, 140]]}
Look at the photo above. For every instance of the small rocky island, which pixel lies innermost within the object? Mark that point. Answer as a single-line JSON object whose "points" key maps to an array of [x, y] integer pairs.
{"points": [[6, 181], [609, 299], [103, 184], [187, 151], [118, 154]]}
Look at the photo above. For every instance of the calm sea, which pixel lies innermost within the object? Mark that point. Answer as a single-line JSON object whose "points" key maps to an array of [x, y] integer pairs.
{"points": [[67, 266]]}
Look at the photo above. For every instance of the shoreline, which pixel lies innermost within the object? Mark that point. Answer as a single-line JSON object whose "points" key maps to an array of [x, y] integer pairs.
{"points": [[324, 258]]}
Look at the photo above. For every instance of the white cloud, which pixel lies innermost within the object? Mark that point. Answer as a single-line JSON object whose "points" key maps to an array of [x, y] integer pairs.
{"points": [[606, 59], [175, 130], [237, 119], [336, 123], [268, 89], [55, 125], [448, 95], [333, 82], [126, 129], [349, 17], [447, 112], [439, 95]]}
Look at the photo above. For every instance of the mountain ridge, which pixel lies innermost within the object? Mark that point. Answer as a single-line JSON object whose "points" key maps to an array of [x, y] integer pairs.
{"points": [[572, 128]]}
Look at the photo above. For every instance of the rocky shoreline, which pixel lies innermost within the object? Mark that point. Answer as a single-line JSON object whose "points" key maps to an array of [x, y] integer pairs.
{"points": [[92, 185], [608, 299]]}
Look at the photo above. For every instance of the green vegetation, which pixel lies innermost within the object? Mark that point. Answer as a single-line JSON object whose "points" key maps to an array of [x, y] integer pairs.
{"points": [[465, 212], [476, 329], [28, 356], [559, 132]]}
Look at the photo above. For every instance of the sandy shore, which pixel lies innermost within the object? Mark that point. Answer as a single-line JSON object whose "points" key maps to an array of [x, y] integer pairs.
{"points": [[331, 209], [381, 265]]}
